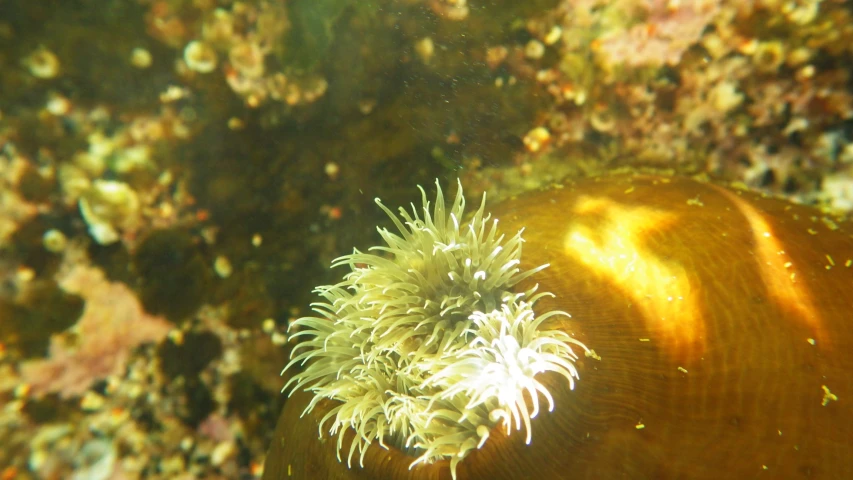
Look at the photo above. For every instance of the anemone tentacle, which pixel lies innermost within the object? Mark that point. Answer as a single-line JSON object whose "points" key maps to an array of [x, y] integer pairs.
{"points": [[425, 342]]}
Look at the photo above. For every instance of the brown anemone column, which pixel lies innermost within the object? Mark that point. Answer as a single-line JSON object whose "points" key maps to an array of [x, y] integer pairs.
{"points": [[724, 323]]}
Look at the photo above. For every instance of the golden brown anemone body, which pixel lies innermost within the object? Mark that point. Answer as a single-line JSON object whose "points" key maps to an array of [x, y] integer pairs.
{"points": [[724, 323]]}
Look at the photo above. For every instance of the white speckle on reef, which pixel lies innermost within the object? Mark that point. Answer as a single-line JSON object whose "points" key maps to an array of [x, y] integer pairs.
{"points": [[43, 64]]}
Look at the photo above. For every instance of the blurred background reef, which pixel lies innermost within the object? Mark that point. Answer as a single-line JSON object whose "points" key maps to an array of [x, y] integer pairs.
{"points": [[176, 176]]}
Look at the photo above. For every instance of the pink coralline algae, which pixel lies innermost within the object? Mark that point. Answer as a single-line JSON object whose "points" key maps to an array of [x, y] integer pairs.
{"points": [[112, 325], [668, 31]]}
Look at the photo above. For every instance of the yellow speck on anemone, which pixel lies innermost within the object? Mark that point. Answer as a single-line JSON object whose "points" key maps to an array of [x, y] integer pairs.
{"points": [[425, 345]]}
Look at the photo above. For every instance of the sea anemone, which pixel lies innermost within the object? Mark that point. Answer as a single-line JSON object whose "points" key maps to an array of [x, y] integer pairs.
{"points": [[722, 319], [425, 344]]}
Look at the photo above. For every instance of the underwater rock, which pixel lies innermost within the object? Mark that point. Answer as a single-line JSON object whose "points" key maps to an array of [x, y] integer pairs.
{"points": [[173, 272], [189, 357]]}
